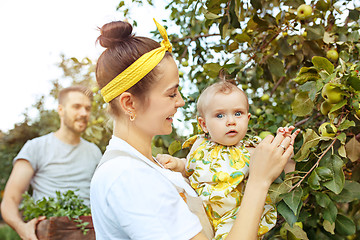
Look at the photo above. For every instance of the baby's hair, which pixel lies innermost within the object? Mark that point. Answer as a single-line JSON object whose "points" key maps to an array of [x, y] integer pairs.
{"points": [[223, 87]]}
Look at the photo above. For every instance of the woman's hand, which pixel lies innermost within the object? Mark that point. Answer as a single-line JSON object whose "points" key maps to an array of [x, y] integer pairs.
{"points": [[269, 158]]}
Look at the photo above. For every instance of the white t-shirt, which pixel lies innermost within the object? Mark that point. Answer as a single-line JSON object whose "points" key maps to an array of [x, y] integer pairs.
{"points": [[60, 166], [132, 200]]}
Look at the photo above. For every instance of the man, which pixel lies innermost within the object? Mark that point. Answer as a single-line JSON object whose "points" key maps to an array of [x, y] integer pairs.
{"points": [[58, 161]]}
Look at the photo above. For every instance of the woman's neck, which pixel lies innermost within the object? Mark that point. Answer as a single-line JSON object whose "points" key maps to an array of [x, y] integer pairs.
{"points": [[135, 138]]}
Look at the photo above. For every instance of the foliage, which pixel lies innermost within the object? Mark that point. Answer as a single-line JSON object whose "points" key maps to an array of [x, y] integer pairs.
{"points": [[65, 204], [7, 233], [268, 49]]}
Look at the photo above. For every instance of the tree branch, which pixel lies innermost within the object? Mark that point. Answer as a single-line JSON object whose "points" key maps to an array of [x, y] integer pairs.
{"points": [[313, 167]]}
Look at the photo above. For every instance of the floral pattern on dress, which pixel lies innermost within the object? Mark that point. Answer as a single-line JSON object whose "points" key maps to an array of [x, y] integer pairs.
{"points": [[218, 174]]}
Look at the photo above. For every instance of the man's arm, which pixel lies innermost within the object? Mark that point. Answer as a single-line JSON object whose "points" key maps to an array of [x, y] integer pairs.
{"points": [[17, 184]]}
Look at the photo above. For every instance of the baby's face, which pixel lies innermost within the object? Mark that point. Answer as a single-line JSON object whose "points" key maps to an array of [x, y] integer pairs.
{"points": [[226, 117]]}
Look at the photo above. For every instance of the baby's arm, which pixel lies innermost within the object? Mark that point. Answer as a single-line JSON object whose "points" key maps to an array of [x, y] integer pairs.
{"points": [[177, 164], [173, 163]]}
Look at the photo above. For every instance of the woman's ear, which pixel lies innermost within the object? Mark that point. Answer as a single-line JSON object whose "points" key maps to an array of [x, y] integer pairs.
{"points": [[202, 124], [127, 103]]}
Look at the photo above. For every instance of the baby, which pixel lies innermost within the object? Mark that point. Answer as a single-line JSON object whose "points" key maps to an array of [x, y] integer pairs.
{"points": [[218, 163]]}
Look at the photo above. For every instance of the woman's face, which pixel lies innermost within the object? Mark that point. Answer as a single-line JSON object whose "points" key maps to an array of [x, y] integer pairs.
{"points": [[162, 101]]}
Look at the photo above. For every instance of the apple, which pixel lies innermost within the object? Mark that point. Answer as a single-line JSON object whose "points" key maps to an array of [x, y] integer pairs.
{"points": [[332, 55], [332, 93], [283, 233], [258, 111], [185, 63], [303, 11], [327, 130], [95, 89], [100, 120], [325, 107], [358, 113], [265, 97], [263, 134], [181, 73]]}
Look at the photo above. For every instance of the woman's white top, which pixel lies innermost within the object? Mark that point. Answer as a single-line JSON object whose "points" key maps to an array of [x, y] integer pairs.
{"points": [[133, 198]]}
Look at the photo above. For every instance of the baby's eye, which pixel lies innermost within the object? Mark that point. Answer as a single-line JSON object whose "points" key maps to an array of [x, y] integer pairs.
{"points": [[219, 115], [238, 114], [173, 95]]}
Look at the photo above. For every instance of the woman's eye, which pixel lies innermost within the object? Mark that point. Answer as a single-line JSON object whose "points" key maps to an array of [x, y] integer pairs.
{"points": [[238, 114], [219, 115]]}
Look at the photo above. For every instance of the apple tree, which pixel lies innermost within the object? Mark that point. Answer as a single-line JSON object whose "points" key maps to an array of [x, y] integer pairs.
{"points": [[298, 62]]}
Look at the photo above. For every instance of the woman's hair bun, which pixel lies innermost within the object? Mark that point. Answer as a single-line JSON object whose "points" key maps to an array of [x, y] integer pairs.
{"points": [[113, 33]]}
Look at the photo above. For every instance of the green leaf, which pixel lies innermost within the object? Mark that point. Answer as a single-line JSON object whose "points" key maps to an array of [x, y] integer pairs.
{"points": [[314, 181], [350, 192], [324, 173], [315, 32], [329, 213], [256, 4], [276, 66], [311, 139], [302, 105], [322, 63], [212, 69], [210, 15], [354, 82], [304, 77], [243, 37], [286, 212], [328, 226], [335, 164], [277, 189], [293, 199], [338, 105], [346, 124], [344, 225], [174, 147]]}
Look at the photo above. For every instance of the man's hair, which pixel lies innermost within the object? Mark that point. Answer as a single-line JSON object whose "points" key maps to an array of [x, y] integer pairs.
{"points": [[78, 88], [224, 87]]}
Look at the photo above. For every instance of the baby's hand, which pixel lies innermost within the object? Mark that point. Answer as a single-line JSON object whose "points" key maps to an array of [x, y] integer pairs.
{"points": [[168, 161], [286, 131]]}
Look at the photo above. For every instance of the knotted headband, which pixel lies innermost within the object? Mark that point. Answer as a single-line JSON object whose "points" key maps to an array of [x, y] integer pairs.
{"points": [[136, 71]]}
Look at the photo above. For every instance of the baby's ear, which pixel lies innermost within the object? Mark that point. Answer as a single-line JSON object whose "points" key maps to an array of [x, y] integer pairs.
{"points": [[202, 124]]}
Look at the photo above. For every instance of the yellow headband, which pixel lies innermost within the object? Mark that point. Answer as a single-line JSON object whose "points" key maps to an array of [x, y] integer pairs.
{"points": [[136, 71]]}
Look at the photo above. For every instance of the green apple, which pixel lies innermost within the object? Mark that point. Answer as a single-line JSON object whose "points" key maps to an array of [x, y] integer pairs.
{"points": [[283, 233], [265, 97], [303, 11], [327, 130], [358, 113], [95, 89], [332, 55], [325, 107], [100, 120], [185, 63], [181, 73], [331, 93], [263, 134], [258, 111]]}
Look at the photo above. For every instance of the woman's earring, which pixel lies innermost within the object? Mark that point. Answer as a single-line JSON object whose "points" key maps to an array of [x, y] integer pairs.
{"points": [[132, 117]]}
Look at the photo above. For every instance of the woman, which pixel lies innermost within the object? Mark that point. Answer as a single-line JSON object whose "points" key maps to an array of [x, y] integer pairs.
{"points": [[132, 195]]}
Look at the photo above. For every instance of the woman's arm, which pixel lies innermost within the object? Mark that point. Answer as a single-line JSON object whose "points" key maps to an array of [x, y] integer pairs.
{"points": [[266, 164]]}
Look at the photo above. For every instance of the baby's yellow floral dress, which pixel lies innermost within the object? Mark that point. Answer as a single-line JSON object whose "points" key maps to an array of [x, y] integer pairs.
{"points": [[218, 174]]}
